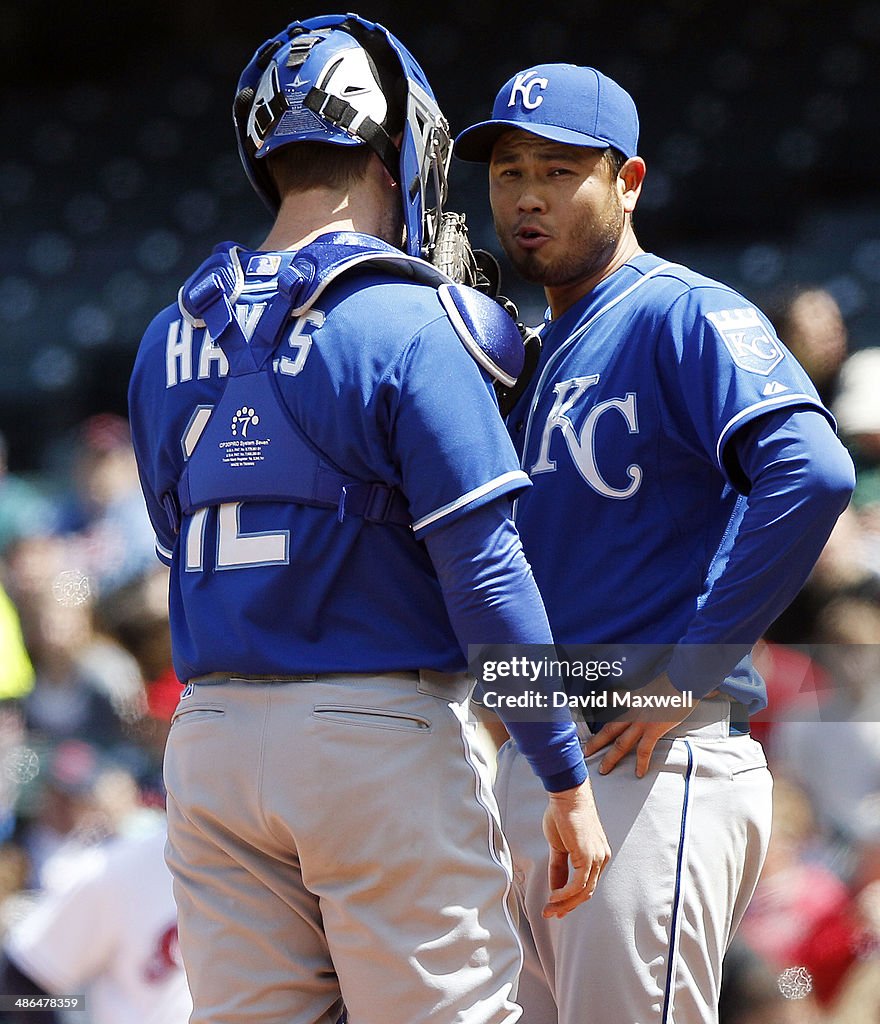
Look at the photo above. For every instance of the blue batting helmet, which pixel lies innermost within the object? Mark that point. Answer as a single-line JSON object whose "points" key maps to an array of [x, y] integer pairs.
{"points": [[346, 81]]}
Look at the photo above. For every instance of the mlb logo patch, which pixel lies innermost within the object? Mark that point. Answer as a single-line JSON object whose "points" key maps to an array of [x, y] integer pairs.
{"points": [[263, 265], [747, 340]]}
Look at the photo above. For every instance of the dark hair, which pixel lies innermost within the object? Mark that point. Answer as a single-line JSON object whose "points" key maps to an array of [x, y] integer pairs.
{"points": [[614, 160], [306, 165]]}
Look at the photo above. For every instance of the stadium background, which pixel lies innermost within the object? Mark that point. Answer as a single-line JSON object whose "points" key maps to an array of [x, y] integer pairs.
{"points": [[118, 168]]}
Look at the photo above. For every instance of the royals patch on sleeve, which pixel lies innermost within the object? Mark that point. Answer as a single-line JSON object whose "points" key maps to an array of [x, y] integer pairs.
{"points": [[745, 335]]}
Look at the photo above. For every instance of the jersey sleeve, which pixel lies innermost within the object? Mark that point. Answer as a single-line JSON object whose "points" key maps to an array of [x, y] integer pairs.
{"points": [[491, 595], [800, 479], [448, 438], [730, 366], [145, 415]]}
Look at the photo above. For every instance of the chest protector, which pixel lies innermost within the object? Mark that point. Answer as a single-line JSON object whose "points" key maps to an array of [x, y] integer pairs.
{"points": [[249, 447]]}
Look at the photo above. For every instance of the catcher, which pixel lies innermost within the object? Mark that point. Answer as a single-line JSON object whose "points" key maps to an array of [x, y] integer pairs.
{"points": [[330, 484]]}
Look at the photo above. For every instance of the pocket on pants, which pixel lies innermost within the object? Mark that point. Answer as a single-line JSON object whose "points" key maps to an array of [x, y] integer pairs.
{"points": [[751, 757], [197, 713], [371, 718], [749, 767]]}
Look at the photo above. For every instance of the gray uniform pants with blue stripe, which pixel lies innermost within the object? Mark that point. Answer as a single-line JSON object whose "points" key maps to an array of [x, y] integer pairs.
{"points": [[688, 842]]}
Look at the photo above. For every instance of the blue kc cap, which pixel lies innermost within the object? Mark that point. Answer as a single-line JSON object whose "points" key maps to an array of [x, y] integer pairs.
{"points": [[561, 102]]}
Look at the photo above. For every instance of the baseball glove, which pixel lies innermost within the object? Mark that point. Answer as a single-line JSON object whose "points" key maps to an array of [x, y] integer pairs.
{"points": [[452, 251]]}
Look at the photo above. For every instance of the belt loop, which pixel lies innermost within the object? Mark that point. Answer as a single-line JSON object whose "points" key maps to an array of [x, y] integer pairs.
{"points": [[739, 719]]}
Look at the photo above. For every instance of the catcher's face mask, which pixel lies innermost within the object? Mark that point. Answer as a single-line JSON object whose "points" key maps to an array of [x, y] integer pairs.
{"points": [[349, 82]]}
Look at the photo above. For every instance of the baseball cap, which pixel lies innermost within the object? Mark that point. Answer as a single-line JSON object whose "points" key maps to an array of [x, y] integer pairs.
{"points": [[562, 102]]}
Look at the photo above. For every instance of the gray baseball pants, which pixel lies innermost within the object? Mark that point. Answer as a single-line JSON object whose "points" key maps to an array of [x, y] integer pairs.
{"points": [[688, 842], [335, 840]]}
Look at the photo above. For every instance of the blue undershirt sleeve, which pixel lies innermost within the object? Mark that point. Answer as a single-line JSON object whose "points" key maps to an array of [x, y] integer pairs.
{"points": [[492, 599], [798, 478]]}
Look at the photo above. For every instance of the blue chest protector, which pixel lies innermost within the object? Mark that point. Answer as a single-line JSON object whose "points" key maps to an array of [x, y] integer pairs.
{"points": [[231, 460]]}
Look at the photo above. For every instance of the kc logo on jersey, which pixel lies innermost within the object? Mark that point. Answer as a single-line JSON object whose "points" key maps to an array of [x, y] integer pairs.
{"points": [[582, 446], [747, 341], [523, 89]]}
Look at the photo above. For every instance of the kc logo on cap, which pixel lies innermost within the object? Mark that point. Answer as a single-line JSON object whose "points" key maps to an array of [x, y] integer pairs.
{"points": [[578, 106], [523, 90]]}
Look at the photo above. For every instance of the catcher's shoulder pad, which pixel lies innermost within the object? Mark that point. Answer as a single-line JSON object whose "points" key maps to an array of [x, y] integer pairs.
{"points": [[317, 265], [486, 330], [207, 296]]}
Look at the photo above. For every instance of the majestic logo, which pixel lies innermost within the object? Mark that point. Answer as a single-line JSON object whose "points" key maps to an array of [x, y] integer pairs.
{"points": [[747, 340], [523, 87], [582, 447]]}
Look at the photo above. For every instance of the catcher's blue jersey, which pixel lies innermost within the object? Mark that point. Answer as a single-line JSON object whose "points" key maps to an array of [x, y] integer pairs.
{"points": [[377, 380], [623, 429]]}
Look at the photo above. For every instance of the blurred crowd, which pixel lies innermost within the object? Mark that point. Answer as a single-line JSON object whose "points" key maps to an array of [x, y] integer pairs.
{"points": [[808, 951], [86, 694], [87, 689]]}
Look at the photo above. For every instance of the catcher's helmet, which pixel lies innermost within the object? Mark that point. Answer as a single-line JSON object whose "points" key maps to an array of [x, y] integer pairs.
{"points": [[346, 81]]}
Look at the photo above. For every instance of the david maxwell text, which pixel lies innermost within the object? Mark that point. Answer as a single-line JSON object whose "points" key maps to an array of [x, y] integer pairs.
{"points": [[560, 699]]}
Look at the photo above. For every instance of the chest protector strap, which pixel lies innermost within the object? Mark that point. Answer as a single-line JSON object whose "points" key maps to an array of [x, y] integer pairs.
{"points": [[249, 446]]}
